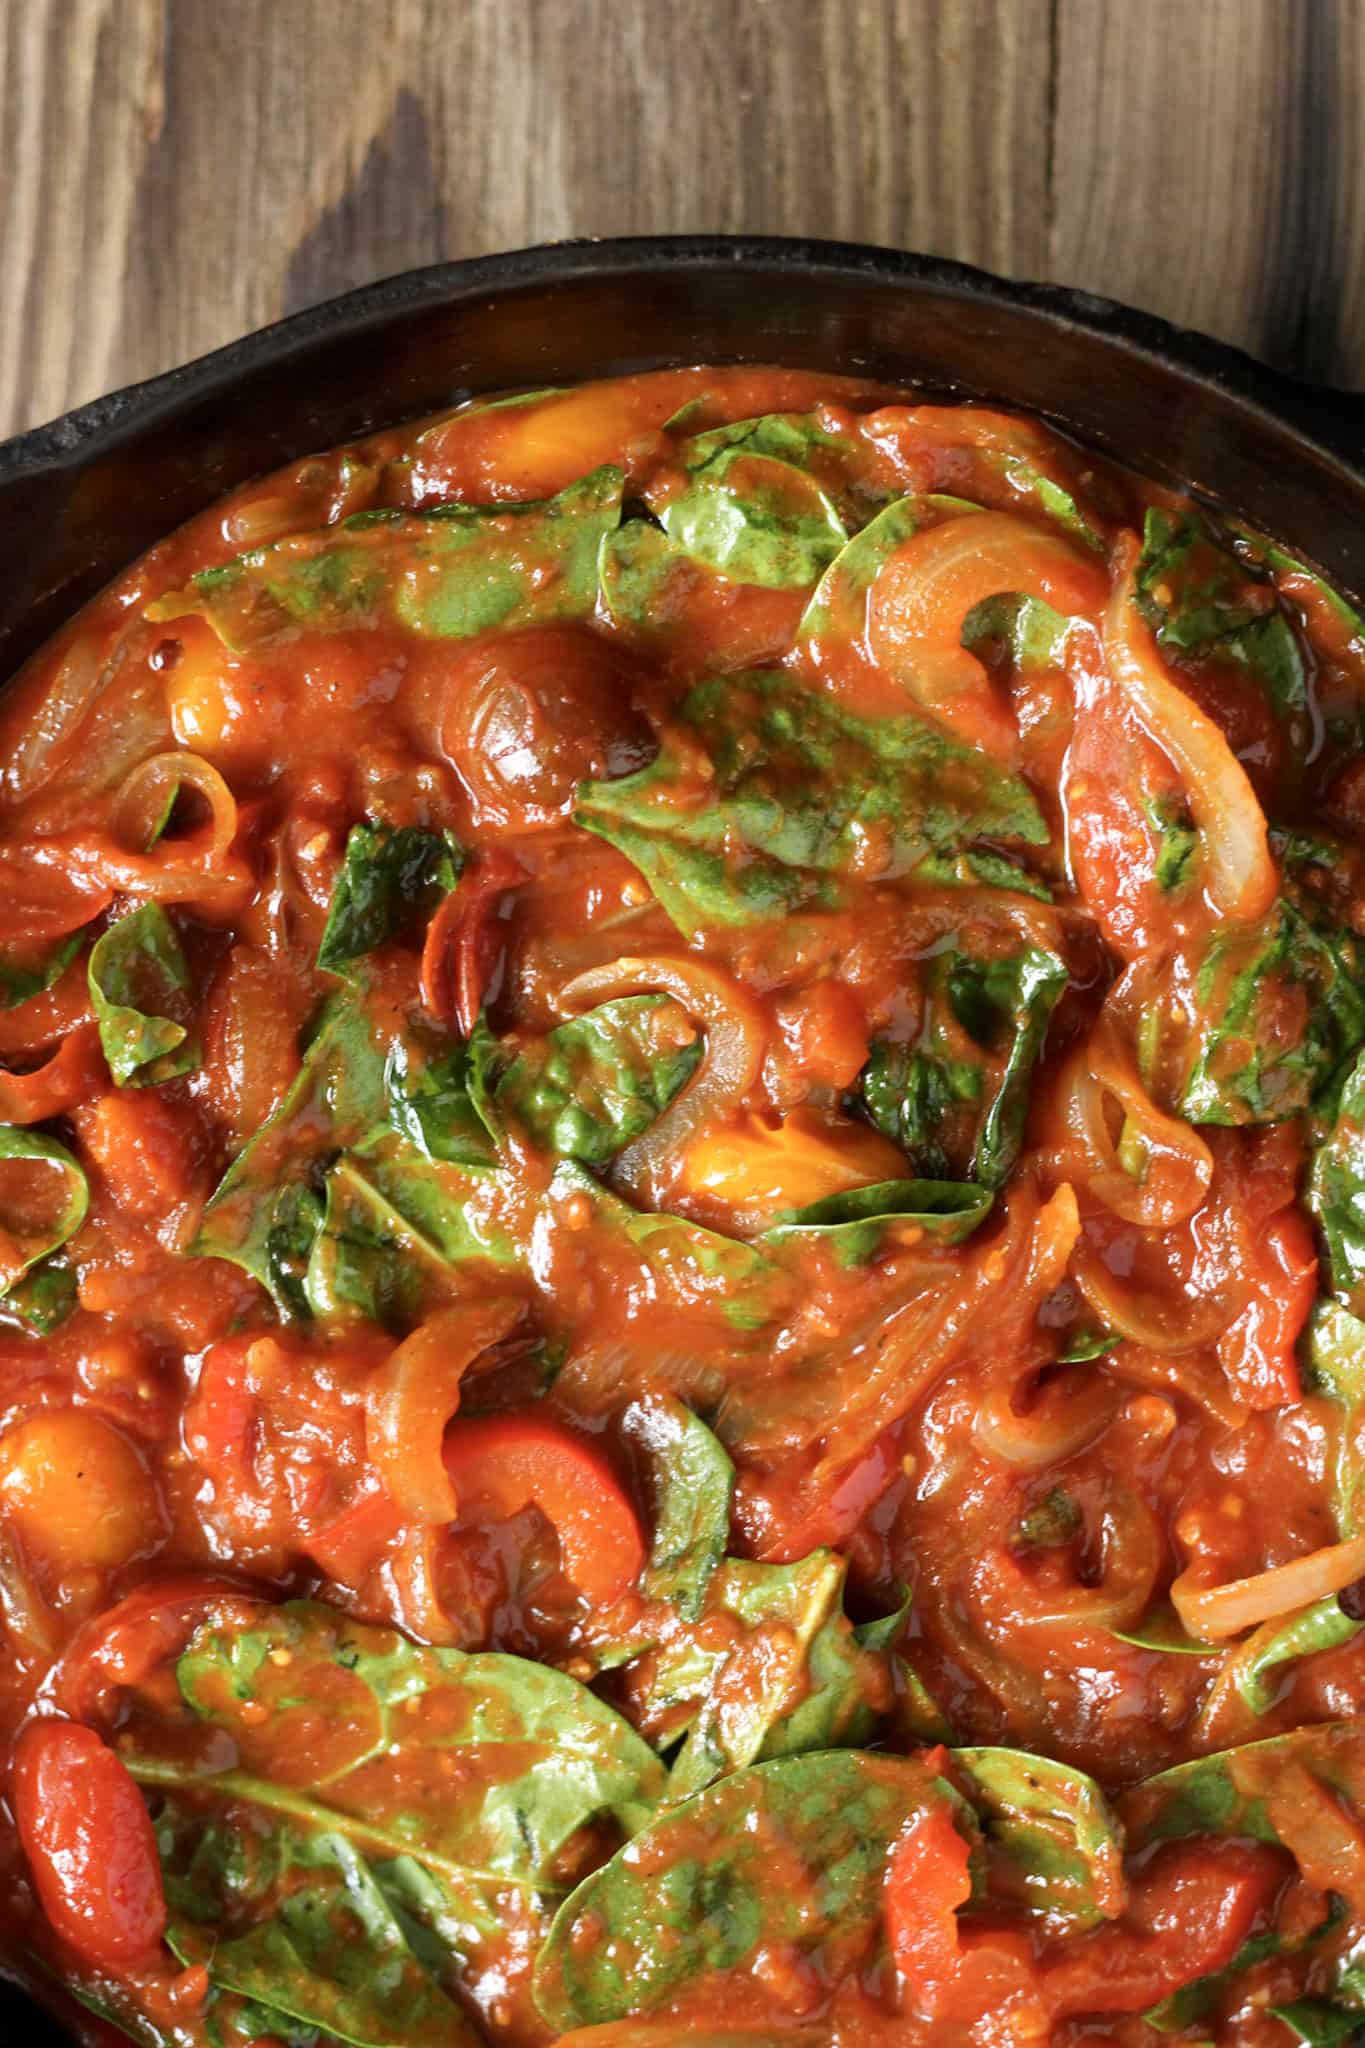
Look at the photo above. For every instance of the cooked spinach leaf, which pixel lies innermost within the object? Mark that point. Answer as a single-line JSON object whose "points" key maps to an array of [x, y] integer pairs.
{"points": [[307, 1876], [1263, 1018], [1230, 1792], [1199, 598], [957, 1101], [438, 1095], [395, 1226], [444, 574], [600, 1080], [24, 975], [694, 1482], [1319, 2024], [856, 1225], [337, 1100], [1053, 1830], [697, 1901], [32, 1283], [137, 968], [1335, 1367], [797, 792], [1336, 1190], [1323, 1626], [389, 873]]}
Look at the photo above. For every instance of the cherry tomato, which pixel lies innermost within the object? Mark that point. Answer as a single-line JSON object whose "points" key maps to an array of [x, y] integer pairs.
{"points": [[531, 715], [89, 1842], [501, 1464]]}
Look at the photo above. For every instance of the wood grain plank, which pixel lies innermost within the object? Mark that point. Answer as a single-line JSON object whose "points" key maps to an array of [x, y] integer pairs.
{"points": [[237, 163], [1209, 165], [178, 172]]}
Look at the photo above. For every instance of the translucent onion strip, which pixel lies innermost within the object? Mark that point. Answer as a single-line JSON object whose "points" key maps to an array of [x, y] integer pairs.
{"points": [[1212, 1613], [144, 804], [1067, 1413], [1178, 1165], [733, 1029], [1240, 871], [413, 1396]]}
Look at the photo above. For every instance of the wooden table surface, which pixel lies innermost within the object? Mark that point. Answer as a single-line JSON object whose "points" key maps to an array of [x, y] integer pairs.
{"points": [[176, 172]]}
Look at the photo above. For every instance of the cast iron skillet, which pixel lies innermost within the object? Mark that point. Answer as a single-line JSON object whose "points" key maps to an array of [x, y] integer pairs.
{"points": [[82, 497]]}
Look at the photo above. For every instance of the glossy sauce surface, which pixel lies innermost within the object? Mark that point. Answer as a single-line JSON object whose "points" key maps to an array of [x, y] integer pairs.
{"points": [[681, 1174]]}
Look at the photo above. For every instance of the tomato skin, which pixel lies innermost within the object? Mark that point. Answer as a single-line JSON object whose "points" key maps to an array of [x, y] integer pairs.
{"points": [[1191, 1909], [89, 1842], [499, 1464], [1257, 1351]]}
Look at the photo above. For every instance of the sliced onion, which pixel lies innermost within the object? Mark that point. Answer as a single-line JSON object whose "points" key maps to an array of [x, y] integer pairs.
{"points": [[733, 1028], [1179, 1163], [75, 685], [413, 1395], [1067, 1414], [1241, 873], [1211, 1613], [142, 804]]}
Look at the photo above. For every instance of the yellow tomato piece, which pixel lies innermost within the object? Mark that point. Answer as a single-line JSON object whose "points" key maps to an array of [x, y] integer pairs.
{"points": [[200, 696], [77, 1491], [810, 1154]]}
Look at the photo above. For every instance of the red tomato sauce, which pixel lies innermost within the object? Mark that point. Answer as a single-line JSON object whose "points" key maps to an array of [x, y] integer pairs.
{"points": [[682, 1249]]}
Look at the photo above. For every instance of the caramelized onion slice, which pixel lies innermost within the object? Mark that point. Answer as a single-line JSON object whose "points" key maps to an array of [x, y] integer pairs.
{"points": [[145, 801], [1241, 879], [413, 1396], [733, 1030]]}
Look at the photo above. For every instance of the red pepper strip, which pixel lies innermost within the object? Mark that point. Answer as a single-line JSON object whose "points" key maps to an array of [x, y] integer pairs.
{"points": [[73, 1074], [501, 1464]]}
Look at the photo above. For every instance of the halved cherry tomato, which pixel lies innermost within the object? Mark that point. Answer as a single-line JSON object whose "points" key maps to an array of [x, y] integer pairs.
{"points": [[500, 1464], [461, 948], [89, 1842]]}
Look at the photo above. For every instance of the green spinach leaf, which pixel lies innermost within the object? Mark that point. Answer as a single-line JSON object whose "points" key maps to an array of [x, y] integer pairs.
{"points": [[1319, 2024], [856, 1225], [1263, 1019], [697, 1902], [694, 1483], [1199, 599], [444, 574], [438, 1095], [1051, 1827], [24, 975], [29, 1281], [389, 873], [1335, 1367], [1323, 1626], [1228, 1793], [313, 1875], [957, 1101], [600, 1080], [337, 1100], [137, 969], [796, 793]]}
